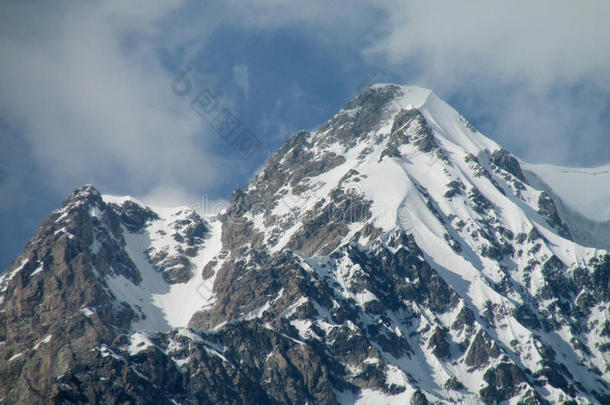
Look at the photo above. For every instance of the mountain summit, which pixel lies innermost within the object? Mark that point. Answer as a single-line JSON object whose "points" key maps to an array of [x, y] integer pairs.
{"points": [[394, 255]]}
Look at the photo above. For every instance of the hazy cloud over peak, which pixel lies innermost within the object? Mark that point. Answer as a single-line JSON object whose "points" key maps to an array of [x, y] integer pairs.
{"points": [[538, 42], [94, 104], [87, 87]]}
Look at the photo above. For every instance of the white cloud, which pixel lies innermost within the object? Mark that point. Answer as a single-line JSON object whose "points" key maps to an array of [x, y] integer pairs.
{"points": [[539, 42], [85, 87]]}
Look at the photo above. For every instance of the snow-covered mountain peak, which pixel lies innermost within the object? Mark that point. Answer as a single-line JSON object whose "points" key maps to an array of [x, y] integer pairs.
{"points": [[407, 97], [396, 149], [390, 99], [394, 254]]}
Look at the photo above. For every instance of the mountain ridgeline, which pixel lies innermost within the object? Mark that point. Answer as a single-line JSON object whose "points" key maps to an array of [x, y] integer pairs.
{"points": [[394, 255]]}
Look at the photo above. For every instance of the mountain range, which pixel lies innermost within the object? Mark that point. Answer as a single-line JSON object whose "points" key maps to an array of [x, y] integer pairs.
{"points": [[393, 255]]}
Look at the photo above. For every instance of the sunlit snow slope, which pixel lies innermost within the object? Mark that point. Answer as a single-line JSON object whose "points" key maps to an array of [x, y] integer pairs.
{"points": [[158, 248]]}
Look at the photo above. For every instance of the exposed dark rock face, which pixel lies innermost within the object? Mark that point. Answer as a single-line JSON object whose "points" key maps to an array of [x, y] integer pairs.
{"points": [[419, 399], [600, 279], [176, 266], [44, 299], [506, 161], [369, 106], [439, 343], [503, 382], [256, 366], [546, 208], [133, 216], [526, 317], [455, 187], [479, 202], [482, 350]]}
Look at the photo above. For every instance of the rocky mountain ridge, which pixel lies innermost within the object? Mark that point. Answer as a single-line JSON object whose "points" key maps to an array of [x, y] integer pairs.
{"points": [[393, 255]]}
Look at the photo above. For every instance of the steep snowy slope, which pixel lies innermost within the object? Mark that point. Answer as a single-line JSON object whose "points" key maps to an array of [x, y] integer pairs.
{"points": [[581, 196], [176, 244], [395, 254], [585, 190]]}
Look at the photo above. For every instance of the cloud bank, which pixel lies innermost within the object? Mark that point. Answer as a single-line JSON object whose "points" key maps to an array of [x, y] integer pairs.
{"points": [[86, 87], [86, 90]]}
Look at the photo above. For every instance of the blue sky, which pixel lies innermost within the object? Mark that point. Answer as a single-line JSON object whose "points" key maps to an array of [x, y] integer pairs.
{"points": [[87, 88]]}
